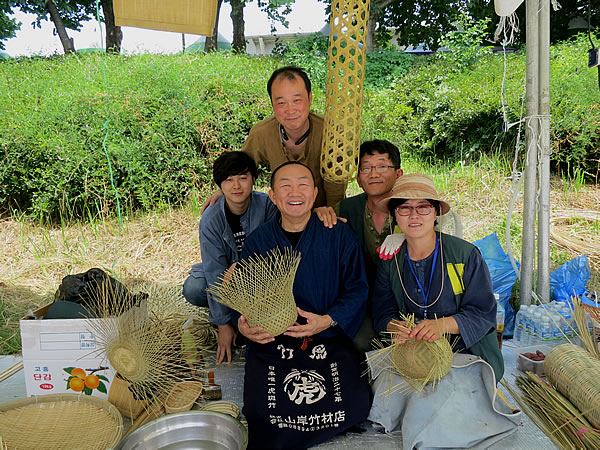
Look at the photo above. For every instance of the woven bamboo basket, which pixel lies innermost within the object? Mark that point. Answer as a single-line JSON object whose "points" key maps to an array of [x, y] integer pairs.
{"points": [[182, 396], [60, 421], [576, 375], [224, 407], [421, 362], [180, 16], [261, 288], [121, 396], [344, 91]]}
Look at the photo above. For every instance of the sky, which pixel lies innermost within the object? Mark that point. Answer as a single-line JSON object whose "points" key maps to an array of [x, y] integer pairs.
{"points": [[306, 16]]}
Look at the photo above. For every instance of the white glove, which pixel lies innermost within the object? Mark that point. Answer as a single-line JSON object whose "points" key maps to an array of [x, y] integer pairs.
{"points": [[391, 245]]}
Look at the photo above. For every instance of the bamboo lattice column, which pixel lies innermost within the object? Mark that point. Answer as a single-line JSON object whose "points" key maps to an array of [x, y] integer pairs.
{"points": [[344, 92]]}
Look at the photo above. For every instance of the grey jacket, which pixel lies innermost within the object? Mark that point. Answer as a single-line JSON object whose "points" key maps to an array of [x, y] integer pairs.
{"points": [[218, 245]]}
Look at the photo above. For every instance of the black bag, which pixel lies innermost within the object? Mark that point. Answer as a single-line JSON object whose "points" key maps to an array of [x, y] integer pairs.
{"points": [[87, 288], [300, 392]]}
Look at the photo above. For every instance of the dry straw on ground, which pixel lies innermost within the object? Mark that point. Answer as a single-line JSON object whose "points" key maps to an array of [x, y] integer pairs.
{"points": [[161, 247]]}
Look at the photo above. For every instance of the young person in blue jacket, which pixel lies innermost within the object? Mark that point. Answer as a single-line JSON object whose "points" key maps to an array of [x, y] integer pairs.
{"points": [[223, 230]]}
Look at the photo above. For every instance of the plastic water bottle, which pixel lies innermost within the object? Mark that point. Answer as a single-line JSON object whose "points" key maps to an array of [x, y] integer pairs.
{"points": [[568, 325], [526, 333], [520, 325], [557, 332], [536, 323], [499, 321], [546, 332]]}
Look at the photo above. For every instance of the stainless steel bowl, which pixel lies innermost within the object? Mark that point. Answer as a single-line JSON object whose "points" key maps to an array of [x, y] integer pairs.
{"points": [[188, 430]]}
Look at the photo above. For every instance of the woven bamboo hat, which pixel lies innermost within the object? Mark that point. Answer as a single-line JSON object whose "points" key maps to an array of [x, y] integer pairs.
{"points": [[414, 186]]}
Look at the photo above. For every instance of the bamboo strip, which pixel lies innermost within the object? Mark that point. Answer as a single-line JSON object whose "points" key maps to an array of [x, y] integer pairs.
{"points": [[11, 370]]}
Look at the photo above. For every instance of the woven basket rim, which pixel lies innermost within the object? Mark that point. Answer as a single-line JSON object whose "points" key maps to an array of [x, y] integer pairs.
{"points": [[171, 402], [110, 409]]}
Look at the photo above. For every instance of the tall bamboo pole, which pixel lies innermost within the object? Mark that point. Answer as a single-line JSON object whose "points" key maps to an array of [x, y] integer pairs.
{"points": [[543, 284], [531, 137]]}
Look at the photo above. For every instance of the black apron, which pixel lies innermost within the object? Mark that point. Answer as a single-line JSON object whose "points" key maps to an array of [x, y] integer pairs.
{"points": [[301, 392]]}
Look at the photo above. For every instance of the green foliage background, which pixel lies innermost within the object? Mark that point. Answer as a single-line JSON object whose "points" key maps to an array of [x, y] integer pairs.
{"points": [[164, 118]]}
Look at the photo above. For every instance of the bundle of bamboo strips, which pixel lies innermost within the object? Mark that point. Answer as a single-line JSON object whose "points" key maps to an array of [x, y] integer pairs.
{"points": [[568, 412], [575, 373], [553, 413]]}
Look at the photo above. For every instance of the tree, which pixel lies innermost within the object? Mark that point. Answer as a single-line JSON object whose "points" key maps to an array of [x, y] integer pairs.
{"points": [[276, 10], [70, 14], [8, 26], [65, 14], [114, 35], [237, 18], [211, 44], [414, 22]]}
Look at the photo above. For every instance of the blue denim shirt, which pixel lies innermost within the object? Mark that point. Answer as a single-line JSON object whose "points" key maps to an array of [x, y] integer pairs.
{"points": [[218, 245]]}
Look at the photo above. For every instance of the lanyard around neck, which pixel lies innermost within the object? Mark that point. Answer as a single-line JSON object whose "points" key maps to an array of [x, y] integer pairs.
{"points": [[425, 293]]}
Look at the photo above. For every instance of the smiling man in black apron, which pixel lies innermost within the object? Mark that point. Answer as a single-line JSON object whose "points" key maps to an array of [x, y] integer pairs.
{"points": [[305, 386]]}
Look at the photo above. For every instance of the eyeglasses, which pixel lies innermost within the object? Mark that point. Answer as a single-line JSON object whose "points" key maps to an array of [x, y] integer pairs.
{"points": [[405, 210], [378, 169]]}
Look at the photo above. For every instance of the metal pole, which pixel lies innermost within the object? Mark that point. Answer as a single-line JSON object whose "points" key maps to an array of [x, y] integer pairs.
{"points": [[531, 135], [543, 284]]}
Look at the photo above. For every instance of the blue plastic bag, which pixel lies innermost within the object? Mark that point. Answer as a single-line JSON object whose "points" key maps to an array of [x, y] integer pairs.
{"points": [[570, 279], [502, 274]]}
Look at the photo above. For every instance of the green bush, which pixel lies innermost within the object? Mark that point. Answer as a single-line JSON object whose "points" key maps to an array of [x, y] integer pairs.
{"points": [[166, 118], [439, 112], [384, 66], [163, 119]]}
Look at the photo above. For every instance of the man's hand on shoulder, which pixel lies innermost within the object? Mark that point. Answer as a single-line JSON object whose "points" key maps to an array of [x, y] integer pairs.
{"points": [[255, 334], [327, 215], [315, 323], [225, 338], [212, 200]]}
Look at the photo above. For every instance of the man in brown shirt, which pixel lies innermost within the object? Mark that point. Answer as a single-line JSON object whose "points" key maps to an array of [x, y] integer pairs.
{"points": [[292, 133]]}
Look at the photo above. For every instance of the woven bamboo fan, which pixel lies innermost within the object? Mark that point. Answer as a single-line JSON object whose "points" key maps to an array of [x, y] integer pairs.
{"points": [[181, 16], [146, 350], [60, 421], [261, 288], [344, 91], [576, 375]]}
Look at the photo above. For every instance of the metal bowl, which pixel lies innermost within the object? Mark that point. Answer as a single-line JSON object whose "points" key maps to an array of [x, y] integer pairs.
{"points": [[188, 430]]}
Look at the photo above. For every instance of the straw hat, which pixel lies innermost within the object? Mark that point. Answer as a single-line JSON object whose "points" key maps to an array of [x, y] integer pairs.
{"points": [[414, 186]]}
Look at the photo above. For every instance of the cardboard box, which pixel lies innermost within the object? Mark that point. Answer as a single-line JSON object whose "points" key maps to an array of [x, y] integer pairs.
{"points": [[53, 348]]}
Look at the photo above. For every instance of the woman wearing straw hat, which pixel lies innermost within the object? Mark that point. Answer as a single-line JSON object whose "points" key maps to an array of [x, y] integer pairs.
{"points": [[440, 278], [444, 282]]}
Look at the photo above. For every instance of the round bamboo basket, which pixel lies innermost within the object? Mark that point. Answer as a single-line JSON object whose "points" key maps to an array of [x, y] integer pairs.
{"points": [[182, 396], [60, 421], [224, 407], [421, 361], [576, 375], [121, 396]]}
